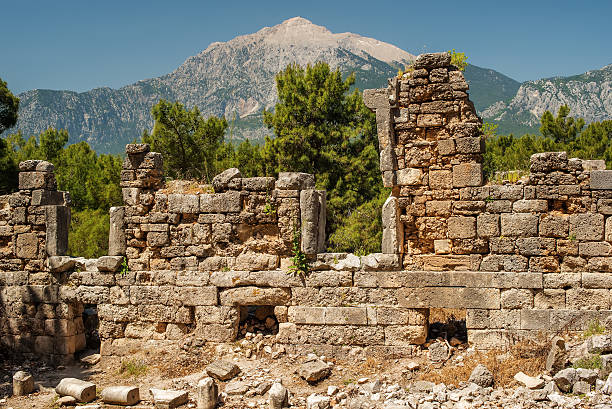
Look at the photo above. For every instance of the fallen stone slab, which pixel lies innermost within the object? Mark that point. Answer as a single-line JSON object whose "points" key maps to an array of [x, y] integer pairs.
{"points": [[23, 383], [90, 359], [315, 401], [599, 344], [529, 381], [481, 376], [66, 401], [121, 395], [207, 393], [168, 399], [565, 379], [314, 371], [82, 391], [222, 370], [60, 264], [581, 388], [236, 388]]}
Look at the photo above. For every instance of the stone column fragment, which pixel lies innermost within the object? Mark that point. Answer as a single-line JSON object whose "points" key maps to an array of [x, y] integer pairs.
{"points": [[116, 235], [207, 393], [58, 223], [393, 229], [309, 212]]}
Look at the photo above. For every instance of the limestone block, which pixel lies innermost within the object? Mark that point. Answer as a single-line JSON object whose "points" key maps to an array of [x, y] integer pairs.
{"points": [[549, 299], [157, 239], [440, 179], [256, 261], [597, 280], [23, 383], [554, 225], [258, 184], [309, 213], [194, 296], [487, 225], [255, 296], [548, 161], [429, 120], [535, 319], [535, 246], [442, 246], [33, 165], [136, 148], [37, 180], [461, 227], [306, 315], [295, 181], [530, 206], [168, 399], [545, 264], [221, 181], [222, 370], [346, 316], [601, 179], [121, 395], [393, 228], [587, 226], [183, 203], [389, 179], [387, 159], [60, 264], [450, 297], [469, 145], [207, 394], [57, 226], [220, 202], [376, 98], [116, 237], [446, 147], [594, 249], [516, 298], [402, 335], [467, 174], [82, 391], [592, 299], [520, 224], [432, 60], [27, 245], [409, 176]]}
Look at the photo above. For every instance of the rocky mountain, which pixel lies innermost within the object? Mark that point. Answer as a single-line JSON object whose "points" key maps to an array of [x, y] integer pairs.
{"points": [[226, 78], [588, 95]]}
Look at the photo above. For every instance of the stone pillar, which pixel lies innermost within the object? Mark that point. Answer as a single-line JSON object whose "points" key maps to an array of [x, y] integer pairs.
{"points": [[393, 228], [116, 236], [313, 212], [58, 223]]}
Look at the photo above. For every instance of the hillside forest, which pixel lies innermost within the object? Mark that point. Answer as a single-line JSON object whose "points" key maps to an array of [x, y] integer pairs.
{"points": [[318, 126]]}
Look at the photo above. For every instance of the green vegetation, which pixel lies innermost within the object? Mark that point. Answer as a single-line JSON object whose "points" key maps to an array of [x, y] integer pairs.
{"points": [[133, 368], [299, 262], [595, 328], [459, 60], [9, 105], [558, 133], [592, 362]]}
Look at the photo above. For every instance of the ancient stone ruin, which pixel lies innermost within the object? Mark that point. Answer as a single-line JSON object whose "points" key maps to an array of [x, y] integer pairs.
{"points": [[196, 268]]}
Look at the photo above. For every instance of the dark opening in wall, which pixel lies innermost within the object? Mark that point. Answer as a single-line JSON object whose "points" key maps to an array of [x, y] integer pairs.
{"points": [[257, 319], [448, 324], [91, 324]]}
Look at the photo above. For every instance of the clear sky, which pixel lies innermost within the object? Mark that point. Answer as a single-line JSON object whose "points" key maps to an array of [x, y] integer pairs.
{"points": [[81, 44]]}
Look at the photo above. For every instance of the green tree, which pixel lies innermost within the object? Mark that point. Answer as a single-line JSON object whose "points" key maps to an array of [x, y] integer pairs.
{"points": [[459, 60], [188, 142], [8, 169], [322, 128], [9, 105], [561, 128]]}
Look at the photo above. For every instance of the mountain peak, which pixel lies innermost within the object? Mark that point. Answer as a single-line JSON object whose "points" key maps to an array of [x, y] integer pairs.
{"points": [[294, 21]]}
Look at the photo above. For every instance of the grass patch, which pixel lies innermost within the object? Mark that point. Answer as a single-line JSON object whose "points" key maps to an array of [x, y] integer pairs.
{"points": [[594, 328], [593, 362], [527, 355], [133, 368]]}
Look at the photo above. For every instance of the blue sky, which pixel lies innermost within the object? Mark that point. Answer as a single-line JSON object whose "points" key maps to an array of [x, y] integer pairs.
{"points": [[79, 45]]}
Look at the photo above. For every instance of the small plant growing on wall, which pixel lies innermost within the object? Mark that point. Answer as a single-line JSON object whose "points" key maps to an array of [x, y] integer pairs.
{"points": [[269, 208], [459, 60], [124, 267], [299, 266]]}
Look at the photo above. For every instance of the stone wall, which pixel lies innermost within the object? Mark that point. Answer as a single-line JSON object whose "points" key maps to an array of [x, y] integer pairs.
{"points": [[518, 258]]}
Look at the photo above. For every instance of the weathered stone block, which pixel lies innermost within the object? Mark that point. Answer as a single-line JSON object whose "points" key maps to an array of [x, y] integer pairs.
{"points": [[549, 299], [591, 299], [432, 60], [255, 296], [535, 319], [594, 249], [438, 208], [157, 239], [467, 174], [548, 161], [521, 224], [58, 224], [37, 180], [601, 179], [27, 245], [116, 237], [535, 246], [258, 184], [446, 147], [409, 176], [516, 299], [487, 225], [295, 181], [449, 297], [228, 202], [587, 226], [461, 227], [403, 335], [469, 145], [440, 179], [530, 206], [376, 98], [306, 315], [393, 228], [554, 225], [346, 316], [183, 203]]}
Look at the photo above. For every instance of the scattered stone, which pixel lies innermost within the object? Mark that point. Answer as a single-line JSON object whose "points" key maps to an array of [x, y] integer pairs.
{"points": [[207, 393], [581, 388], [422, 387], [23, 383], [413, 366], [587, 375], [565, 379], [168, 399], [82, 391], [332, 390], [236, 388], [222, 370], [262, 388], [529, 381], [221, 181], [314, 371], [91, 360], [278, 397], [438, 352], [66, 401], [537, 394], [599, 344], [121, 395], [607, 388], [315, 401], [481, 376]]}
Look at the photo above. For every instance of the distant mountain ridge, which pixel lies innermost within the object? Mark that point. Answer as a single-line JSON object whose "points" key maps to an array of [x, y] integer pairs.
{"points": [[236, 79]]}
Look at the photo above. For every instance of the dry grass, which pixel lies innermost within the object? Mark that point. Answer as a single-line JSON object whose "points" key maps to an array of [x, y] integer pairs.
{"points": [[528, 356]]}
